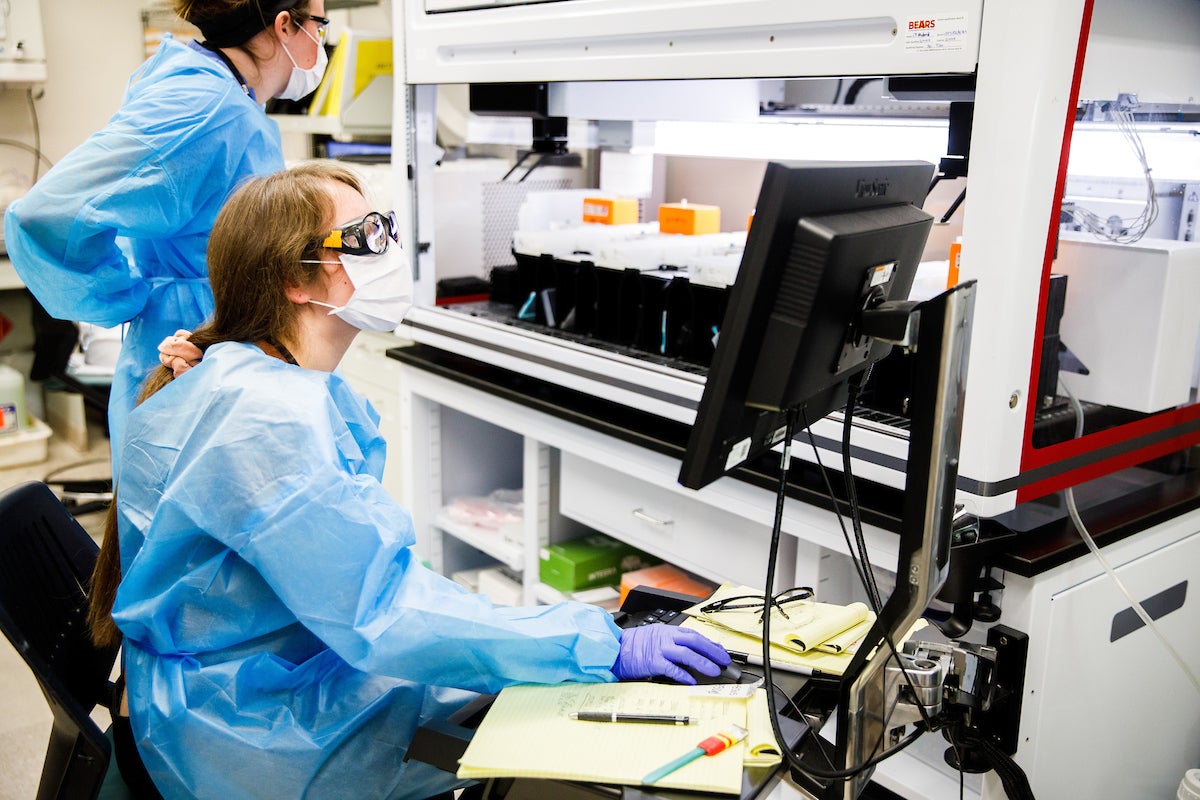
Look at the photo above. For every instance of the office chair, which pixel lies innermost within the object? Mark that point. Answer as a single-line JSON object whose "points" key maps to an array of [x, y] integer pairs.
{"points": [[46, 561]]}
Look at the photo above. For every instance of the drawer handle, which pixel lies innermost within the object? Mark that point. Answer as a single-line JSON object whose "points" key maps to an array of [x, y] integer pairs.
{"points": [[658, 523]]}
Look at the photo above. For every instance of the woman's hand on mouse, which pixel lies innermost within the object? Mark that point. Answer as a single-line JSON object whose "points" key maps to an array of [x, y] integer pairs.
{"points": [[668, 651]]}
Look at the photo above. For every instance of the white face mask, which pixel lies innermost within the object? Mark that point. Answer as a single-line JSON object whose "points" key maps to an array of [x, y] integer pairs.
{"points": [[303, 82], [383, 290]]}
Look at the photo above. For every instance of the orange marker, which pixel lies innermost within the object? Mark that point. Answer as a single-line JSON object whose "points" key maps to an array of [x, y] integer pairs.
{"points": [[709, 747]]}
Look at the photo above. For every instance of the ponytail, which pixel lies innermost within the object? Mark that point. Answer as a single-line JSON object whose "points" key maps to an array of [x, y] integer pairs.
{"points": [[106, 576]]}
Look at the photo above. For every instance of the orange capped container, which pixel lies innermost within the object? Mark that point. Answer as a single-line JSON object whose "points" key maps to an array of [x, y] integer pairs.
{"points": [[692, 219], [955, 260], [610, 210]]}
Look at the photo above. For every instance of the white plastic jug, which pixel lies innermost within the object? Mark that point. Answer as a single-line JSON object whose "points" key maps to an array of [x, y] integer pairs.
{"points": [[1189, 787], [13, 416]]}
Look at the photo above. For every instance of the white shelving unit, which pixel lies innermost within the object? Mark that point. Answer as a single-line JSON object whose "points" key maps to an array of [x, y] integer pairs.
{"points": [[461, 441], [510, 554]]}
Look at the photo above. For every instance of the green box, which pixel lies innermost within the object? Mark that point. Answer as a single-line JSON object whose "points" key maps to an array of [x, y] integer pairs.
{"points": [[589, 561]]}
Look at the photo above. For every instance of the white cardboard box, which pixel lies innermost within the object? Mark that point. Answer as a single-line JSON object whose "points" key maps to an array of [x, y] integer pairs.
{"points": [[499, 587], [28, 446]]}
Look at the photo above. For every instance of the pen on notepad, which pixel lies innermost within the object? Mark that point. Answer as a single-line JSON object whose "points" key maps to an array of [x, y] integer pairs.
{"points": [[709, 747], [612, 716], [747, 658]]}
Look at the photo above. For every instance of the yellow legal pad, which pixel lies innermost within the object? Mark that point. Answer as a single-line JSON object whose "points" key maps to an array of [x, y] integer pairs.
{"points": [[816, 636], [528, 733]]}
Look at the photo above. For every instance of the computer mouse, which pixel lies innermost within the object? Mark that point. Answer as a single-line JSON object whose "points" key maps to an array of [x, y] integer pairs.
{"points": [[731, 674]]}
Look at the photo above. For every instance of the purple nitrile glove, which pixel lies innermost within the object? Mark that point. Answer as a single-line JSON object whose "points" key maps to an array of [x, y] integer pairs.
{"points": [[651, 651]]}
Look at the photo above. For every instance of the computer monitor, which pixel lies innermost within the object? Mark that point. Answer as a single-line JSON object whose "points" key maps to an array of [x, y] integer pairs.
{"points": [[828, 240]]}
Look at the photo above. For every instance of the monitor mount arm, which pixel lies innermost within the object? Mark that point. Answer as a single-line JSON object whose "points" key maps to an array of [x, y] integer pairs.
{"points": [[938, 331], [973, 691]]}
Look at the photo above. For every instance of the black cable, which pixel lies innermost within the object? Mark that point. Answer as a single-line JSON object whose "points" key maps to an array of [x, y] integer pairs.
{"points": [[852, 496], [862, 579], [842, 774], [54, 473], [1012, 777], [520, 161], [953, 206], [536, 164], [929, 723], [792, 759], [772, 709], [962, 774], [837, 92], [855, 88], [772, 553]]}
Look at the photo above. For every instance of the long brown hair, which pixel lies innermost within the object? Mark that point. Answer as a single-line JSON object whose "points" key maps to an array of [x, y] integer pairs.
{"points": [[264, 231]]}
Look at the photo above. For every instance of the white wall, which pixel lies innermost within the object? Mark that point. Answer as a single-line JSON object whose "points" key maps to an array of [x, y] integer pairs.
{"points": [[91, 50]]}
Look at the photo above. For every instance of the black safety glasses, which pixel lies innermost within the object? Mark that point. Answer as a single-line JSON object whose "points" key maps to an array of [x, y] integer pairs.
{"points": [[364, 236], [322, 24], [300, 18], [780, 600]]}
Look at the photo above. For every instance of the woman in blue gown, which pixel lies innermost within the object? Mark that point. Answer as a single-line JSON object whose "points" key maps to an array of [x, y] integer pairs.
{"points": [[280, 638], [116, 232]]}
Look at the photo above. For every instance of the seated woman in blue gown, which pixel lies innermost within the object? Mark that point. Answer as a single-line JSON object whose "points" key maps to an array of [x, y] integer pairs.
{"points": [[280, 637]]}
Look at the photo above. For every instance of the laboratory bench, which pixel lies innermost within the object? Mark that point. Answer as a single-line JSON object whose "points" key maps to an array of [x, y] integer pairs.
{"points": [[459, 427]]}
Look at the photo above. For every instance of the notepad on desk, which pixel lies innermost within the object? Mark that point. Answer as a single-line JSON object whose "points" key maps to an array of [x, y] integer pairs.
{"points": [[802, 626], [528, 733], [820, 637]]}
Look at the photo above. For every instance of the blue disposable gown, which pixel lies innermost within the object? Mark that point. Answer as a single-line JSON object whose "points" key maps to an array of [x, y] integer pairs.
{"points": [[281, 639], [151, 183]]}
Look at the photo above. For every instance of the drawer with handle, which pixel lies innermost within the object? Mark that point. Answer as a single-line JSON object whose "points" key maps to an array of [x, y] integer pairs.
{"points": [[693, 535]]}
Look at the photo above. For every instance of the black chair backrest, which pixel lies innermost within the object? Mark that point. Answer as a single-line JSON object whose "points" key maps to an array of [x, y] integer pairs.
{"points": [[46, 561]]}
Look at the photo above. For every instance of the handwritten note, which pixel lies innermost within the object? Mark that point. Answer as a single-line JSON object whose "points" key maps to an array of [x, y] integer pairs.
{"points": [[528, 733]]}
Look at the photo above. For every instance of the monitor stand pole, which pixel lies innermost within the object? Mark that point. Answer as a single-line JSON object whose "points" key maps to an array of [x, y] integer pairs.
{"points": [[936, 410]]}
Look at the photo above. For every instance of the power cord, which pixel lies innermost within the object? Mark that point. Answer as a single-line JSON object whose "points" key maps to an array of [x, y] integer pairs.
{"points": [[852, 493], [82, 495], [859, 567], [1012, 777]]}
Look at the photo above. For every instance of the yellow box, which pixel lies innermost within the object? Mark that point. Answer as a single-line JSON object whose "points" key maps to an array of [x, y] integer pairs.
{"points": [[610, 210], [689, 218]]}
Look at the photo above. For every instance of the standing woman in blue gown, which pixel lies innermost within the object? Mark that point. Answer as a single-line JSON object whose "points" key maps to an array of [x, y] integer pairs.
{"points": [[116, 232]]}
